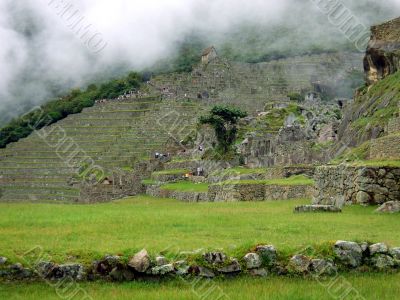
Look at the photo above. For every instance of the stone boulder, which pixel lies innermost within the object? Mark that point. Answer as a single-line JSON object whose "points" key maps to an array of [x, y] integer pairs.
{"points": [[205, 272], [51, 271], [322, 267], [140, 262], [268, 254], [395, 253], [382, 262], [317, 208], [162, 270], [3, 260], [233, 267], [349, 253], [161, 261], [252, 260], [181, 267], [215, 258], [379, 248], [107, 264], [299, 263], [261, 272], [121, 274], [389, 207]]}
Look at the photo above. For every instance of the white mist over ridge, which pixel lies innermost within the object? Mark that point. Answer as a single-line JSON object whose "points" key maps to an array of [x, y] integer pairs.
{"points": [[42, 56]]}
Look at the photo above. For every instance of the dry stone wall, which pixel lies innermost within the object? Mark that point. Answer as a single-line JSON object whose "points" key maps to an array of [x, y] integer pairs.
{"points": [[340, 185], [258, 192], [260, 261]]}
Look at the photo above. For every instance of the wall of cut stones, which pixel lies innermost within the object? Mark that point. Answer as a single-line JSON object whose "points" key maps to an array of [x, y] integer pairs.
{"points": [[387, 147], [258, 192], [156, 191], [340, 185]]}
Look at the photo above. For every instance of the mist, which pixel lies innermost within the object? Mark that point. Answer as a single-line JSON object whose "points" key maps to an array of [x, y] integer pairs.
{"points": [[46, 50]]}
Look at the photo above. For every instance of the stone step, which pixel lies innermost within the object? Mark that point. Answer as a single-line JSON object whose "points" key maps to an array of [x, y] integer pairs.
{"points": [[42, 198], [48, 190]]}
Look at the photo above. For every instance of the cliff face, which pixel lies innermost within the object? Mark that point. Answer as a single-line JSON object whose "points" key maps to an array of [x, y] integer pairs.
{"points": [[383, 53], [377, 103]]}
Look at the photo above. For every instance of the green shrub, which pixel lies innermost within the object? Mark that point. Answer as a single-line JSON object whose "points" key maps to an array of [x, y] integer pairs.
{"points": [[224, 120]]}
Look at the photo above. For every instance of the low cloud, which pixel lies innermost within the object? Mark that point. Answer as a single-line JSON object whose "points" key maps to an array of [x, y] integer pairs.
{"points": [[42, 55]]}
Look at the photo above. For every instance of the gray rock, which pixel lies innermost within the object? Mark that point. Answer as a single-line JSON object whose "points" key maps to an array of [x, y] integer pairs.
{"points": [[262, 272], [121, 274], [379, 248], [317, 208], [321, 267], [161, 261], [349, 253], [233, 267], [3, 260], [74, 271], [364, 246], [382, 262], [389, 207], [299, 263], [206, 273], [16, 267], [107, 264], [252, 260], [395, 253], [363, 198], [45, 268], [140, 262], [162, 270], [215, 257], [268, 254], [181, 267]]}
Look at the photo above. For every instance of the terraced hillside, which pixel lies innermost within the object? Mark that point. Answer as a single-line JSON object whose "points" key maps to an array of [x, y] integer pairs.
{"points": [[252, 85], [113, 134]]}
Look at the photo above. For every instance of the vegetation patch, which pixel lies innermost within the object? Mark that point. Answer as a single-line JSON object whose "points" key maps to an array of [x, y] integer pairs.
{"points": [[239, 171], [294, 180], [171, 172], [186, 186]]}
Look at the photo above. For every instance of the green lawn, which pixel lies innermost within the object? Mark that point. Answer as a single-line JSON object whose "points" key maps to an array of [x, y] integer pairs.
{"points": [[84, 232], [294, 180], [186, 186], [240, 171], [171, 172], [368, 286]]}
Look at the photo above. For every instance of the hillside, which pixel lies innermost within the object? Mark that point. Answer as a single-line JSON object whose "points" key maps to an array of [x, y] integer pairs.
{"points": [[114, 135]]}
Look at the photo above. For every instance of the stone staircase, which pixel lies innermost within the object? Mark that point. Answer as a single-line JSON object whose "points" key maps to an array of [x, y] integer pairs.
{"points": [[45, 166]]}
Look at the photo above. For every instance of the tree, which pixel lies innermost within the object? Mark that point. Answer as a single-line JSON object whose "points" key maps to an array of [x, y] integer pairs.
{"points": [[224, 120]]}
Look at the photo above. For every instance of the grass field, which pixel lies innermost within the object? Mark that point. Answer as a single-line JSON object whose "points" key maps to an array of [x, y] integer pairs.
{"points": [[81, 232], [294, 180], [186, 186], [368, 286]]}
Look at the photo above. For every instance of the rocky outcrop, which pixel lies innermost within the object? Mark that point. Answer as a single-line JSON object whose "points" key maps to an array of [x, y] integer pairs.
{"points": [[389, 207], [339, 185], [383, 53]]}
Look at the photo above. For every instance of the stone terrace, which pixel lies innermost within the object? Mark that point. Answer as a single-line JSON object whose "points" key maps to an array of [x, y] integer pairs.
{"points": [[114, 134]]}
